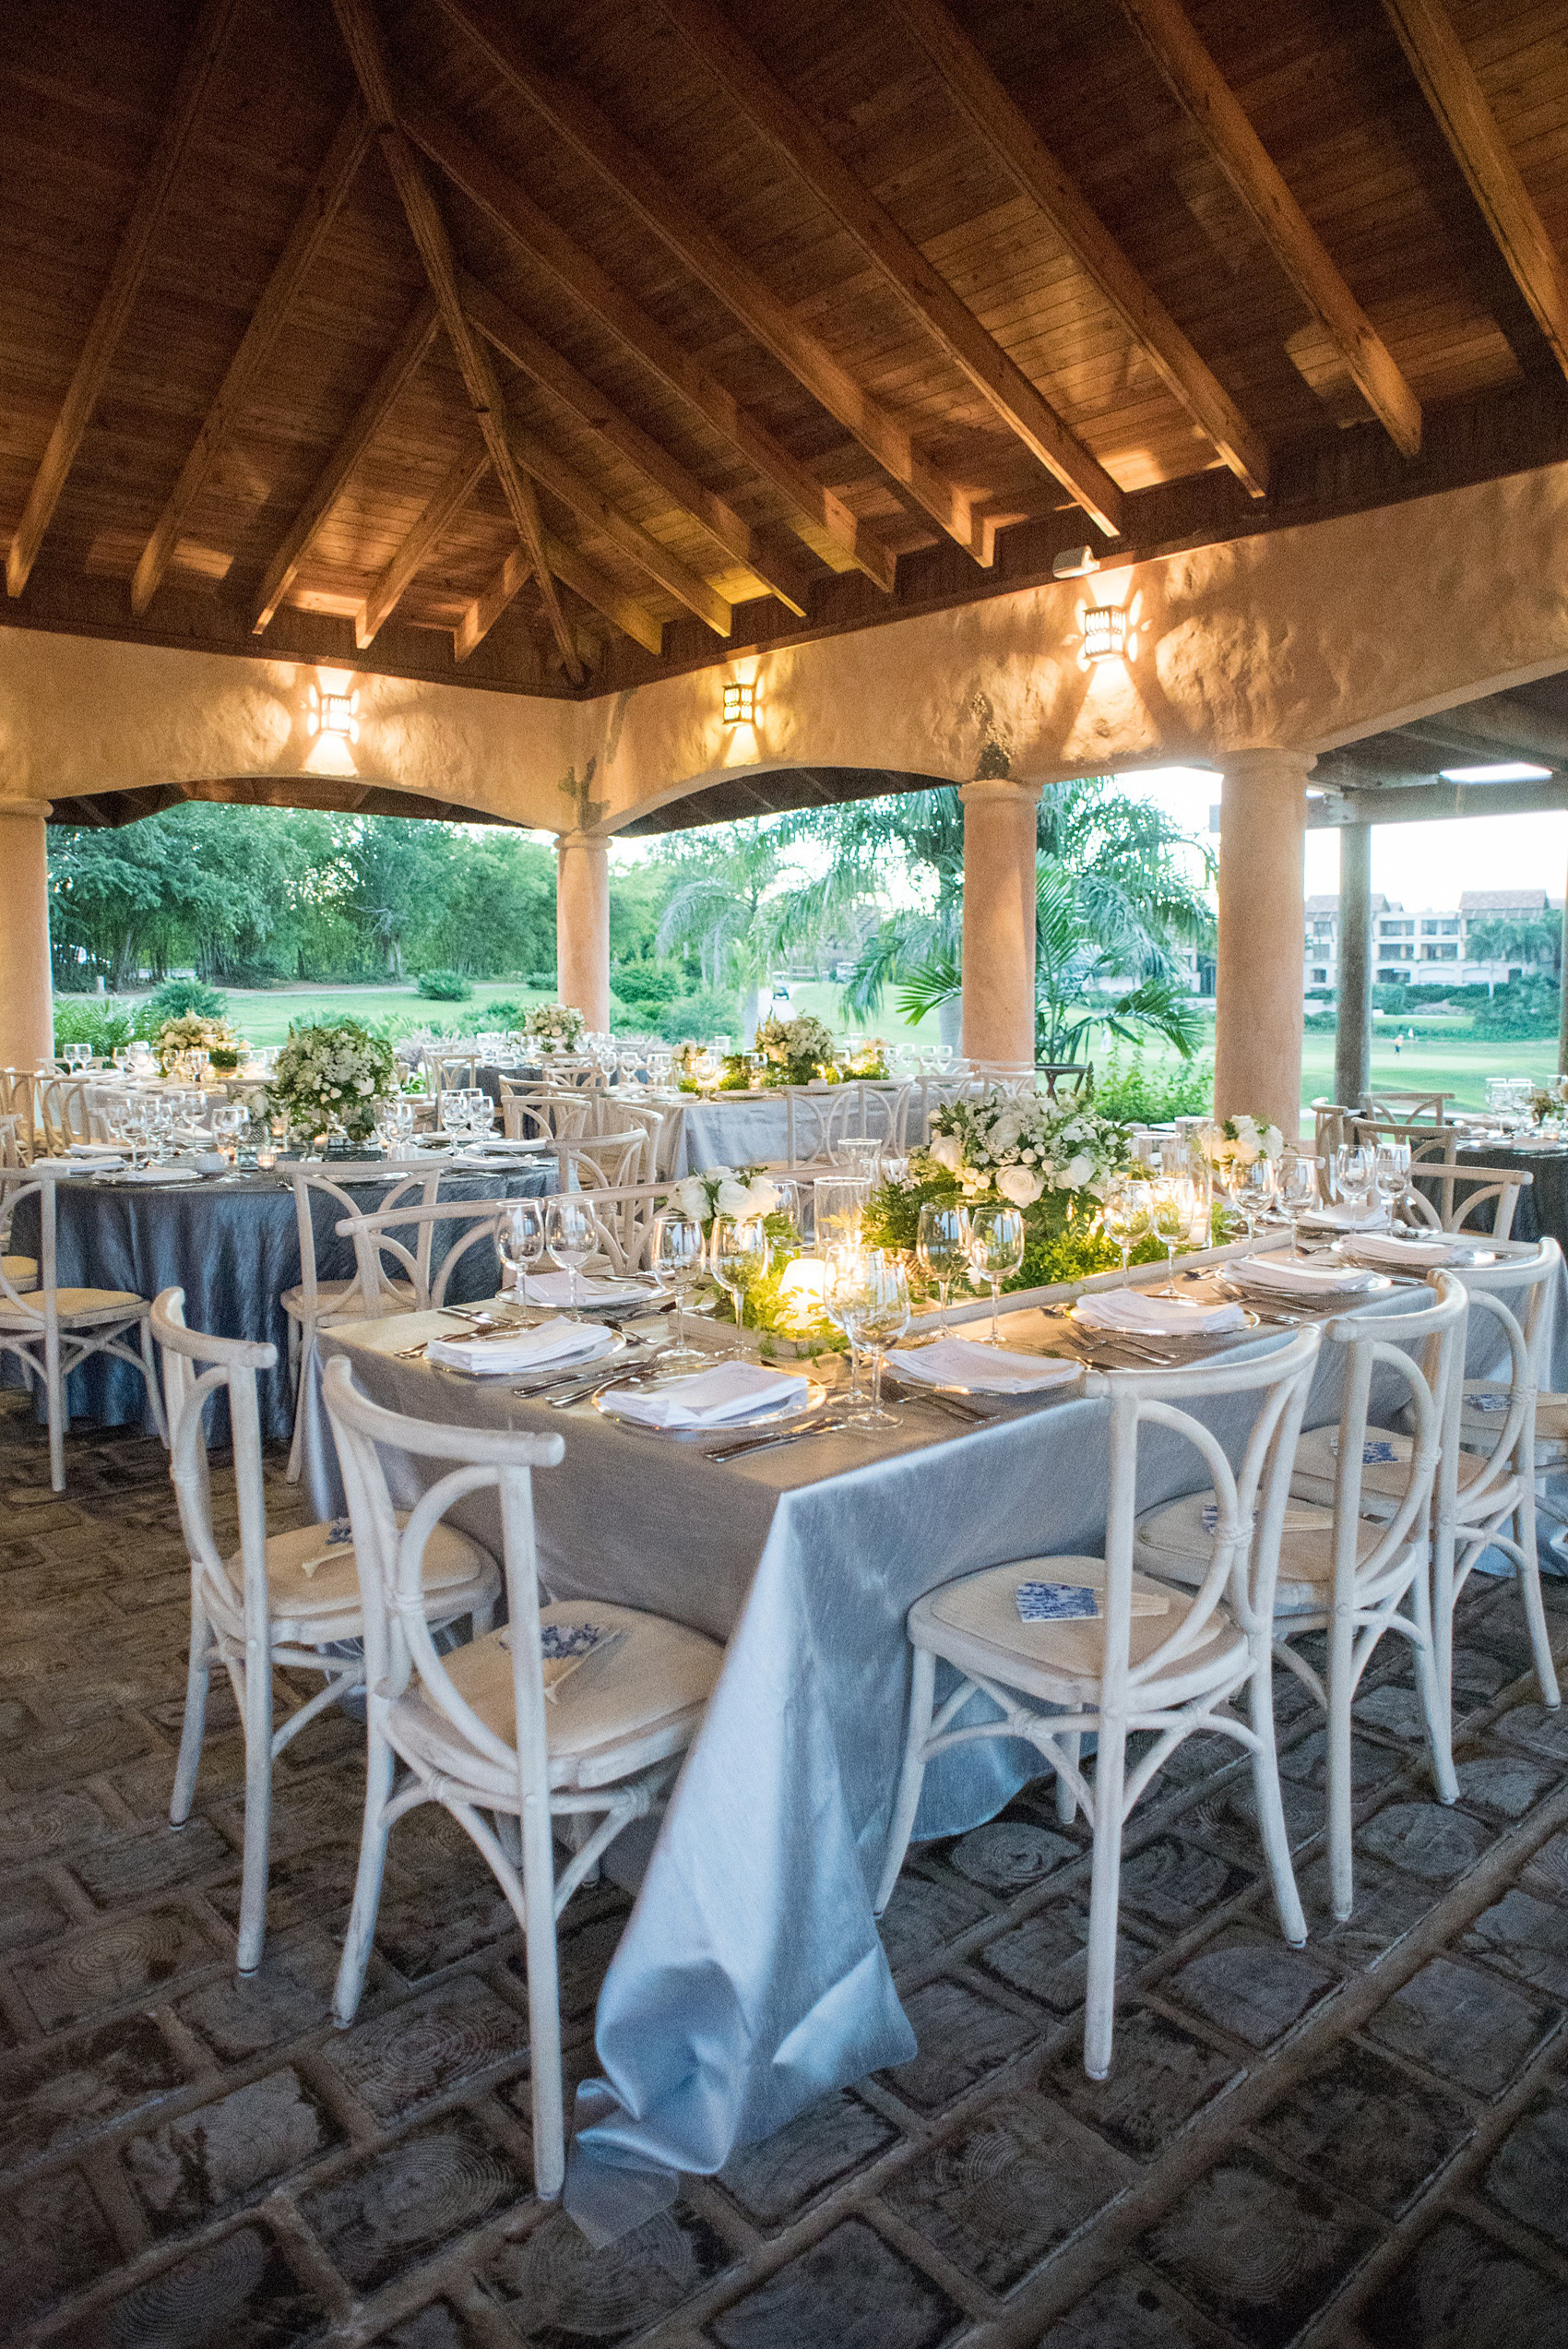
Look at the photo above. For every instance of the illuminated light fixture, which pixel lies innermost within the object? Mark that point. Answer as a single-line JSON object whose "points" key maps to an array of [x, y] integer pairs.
{"points": [[740, 705], [1105, 633], [1074, 562], [1508, 771], [333, 714]]}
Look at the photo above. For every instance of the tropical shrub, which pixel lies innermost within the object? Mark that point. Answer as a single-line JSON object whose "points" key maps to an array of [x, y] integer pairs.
{"points": [[445, 986]]}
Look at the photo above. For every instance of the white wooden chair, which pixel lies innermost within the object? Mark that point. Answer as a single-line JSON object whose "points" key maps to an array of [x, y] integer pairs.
{"points": [[282, 1602], [16, 1100], [527, 1110], [1450, 1211], [311, 1304], [51, 1330], [475, 1730], [607, 1162], [20, 1271], [623, 1114], [62, 1115], [1342, 1572], [1429, 1144], [624, 1217], [453, 1073], [1152, 1659], [395, 1269], [816, 1124]]}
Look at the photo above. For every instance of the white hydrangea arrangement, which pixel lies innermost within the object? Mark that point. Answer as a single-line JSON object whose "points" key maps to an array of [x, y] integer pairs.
{"points": [[1238, 1142], [1025, 1147], [336, 1073], [796, 1050], [554, 1027], [722, 1190], [193, 1032]]}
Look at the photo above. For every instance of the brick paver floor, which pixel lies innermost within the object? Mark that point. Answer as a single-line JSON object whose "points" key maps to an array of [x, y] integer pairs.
{"points": [[1363, 2142]]}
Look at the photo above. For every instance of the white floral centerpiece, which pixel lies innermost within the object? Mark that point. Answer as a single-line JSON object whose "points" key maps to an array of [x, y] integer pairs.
{"points": [[195, 1032], [1238, 1141], [742, 1194], [554, 1027], [333, 1077], [1024, 1148], [796, 1050]]}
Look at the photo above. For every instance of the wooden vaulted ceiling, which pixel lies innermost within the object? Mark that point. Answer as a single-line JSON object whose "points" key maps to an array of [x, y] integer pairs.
{"points": [[554, 347]]}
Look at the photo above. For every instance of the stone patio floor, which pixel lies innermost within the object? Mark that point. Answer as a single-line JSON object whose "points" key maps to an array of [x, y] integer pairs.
{"points": [[1363, 2142]]}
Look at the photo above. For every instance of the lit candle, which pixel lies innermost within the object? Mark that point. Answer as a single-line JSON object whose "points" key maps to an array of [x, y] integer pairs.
{"points": [[802, 1289]]}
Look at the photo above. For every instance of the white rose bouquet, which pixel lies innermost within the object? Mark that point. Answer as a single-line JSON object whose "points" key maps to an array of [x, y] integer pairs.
{"points": [[192, 1032], [334, 1074], [1238, 1142], [741, 1194], [554, 1027], [796, 1050], [1025, 1149]]}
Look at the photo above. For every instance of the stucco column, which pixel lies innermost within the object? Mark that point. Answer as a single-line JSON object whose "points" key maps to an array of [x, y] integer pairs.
{"points": [[1352, 1041], [27, 1010], [999, 920], [582, 927], [1257, 1049]]}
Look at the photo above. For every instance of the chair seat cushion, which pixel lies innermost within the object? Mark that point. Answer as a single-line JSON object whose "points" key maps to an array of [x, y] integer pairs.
{"points": [[1485, 1409], [1386, 1470], [21, 1272], [82, 1305], [328, 1294], [617, 1714], [331, 1585], [974, 1622], [1175, 1542]]}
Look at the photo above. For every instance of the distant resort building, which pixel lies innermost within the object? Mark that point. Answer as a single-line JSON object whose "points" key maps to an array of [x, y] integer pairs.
{"points": [[1490, 936]]}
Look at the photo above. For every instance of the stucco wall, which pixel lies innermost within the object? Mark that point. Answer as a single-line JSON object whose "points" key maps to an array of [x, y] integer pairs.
{"points": [[1307, 637]]}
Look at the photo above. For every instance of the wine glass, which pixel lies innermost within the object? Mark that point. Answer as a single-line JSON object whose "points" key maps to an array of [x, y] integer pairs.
{"points": [[1250, 1188], [452, 1113], [739, 1254], [571, 1236], [1174, 1215], [874, 1297], [1353, 1168], [520, 1243], [481, 1109], [1391, 1172], [996, 1251], [1298, 1194], [675, 1255], [941, 1247], [1127, 1217]]}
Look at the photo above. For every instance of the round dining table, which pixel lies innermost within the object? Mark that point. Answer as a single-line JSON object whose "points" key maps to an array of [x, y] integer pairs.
{"points": [[1542, 1211], [232, 1243]]}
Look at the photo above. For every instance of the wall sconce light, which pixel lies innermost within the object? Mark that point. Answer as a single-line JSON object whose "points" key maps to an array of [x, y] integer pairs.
{"points": [[333, 714], [1105, 633], [740, 705]]}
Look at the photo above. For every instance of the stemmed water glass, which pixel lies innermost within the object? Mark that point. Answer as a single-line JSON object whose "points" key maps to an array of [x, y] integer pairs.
{"points": [[453, 1111], [996, 1251], [675, 1255], [1249, 1189], [482, 1111], [942, 1248], [1354, 1166], [739, 1254], [571, 1235], [1297, 1184], [1127, 1217], [1391, 1172], [873, 1298], [1172, 1216], [520, 1243]]}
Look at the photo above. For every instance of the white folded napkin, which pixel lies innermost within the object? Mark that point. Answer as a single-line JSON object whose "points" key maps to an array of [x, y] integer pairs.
{"points": [[556, 1288], [1316, 1274], [1136, 1310], [1340, 1218], [991, 1370], [156, 1174], [730, 1393], [99, 1164], [95, 1149], [1382, 1247], [547, 1346], [510, 1146]]}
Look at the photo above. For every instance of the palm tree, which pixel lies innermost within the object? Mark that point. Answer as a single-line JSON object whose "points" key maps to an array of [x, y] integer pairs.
{"points": [[741, 908], [910, 844]]}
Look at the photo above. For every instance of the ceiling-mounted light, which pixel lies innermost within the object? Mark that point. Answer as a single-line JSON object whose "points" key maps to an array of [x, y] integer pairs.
{"points": [[1505, 770], [740, 705], [333, 714], [1074, 562]]}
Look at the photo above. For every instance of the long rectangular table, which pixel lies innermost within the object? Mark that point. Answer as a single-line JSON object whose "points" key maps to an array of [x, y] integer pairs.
{"points": [[751, 1979]]}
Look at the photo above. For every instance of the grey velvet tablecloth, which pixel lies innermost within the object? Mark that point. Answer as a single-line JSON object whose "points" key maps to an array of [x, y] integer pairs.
{"points": [[1542, 1209], [751, 1979], [232, 1244]]}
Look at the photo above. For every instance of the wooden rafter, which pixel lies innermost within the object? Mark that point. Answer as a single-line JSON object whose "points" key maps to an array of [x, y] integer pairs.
{"points": [[756, 94], [109, 320], [320, 209], [553, 470], [486, 609], [518, 340], [1001, 122], [626, 170], [445, 501], [1197, 81], [401, 361], [1456, 97], [633, 619], [514, 212], [362, 38]]}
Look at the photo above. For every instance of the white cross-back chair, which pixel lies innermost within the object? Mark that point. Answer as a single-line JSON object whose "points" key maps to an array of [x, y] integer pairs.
{"points": [[1493, 1456], [475, 1730], [620, 1115], [395, 1252], [607, 1162], [53, 1330], [623, 1218], [1152, 1659], [453, 1072], [1429, 1144], [314, 1304], [1341, 1570], [20, 1271], [527, 1110], [281, 1600], [1408, 1104], [16, 1100], [816, 1123], [1454, 1211]]}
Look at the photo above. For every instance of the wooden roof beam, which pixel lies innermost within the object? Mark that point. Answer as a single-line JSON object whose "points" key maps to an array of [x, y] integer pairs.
{"points": [[517, 341], [451, 494], [1449, 84], [486, 609], [1197, 83], [633, 619], [401, 363], [757, 95], [362, 38], [532, 232], [126, 275], [320, 209], [1000, 122], [628, 170]]}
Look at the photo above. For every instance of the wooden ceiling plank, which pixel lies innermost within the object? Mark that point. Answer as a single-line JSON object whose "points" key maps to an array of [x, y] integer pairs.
{"points": [[549, 467], [762, 100], [486, 609], [404, 357], [1222, 123], [1000, 124], [521, 221], [114, 304], [312, 224], [1454, 95], [517, 341], [628, 170], [362, 38], [451, 494], [631, 617]]}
